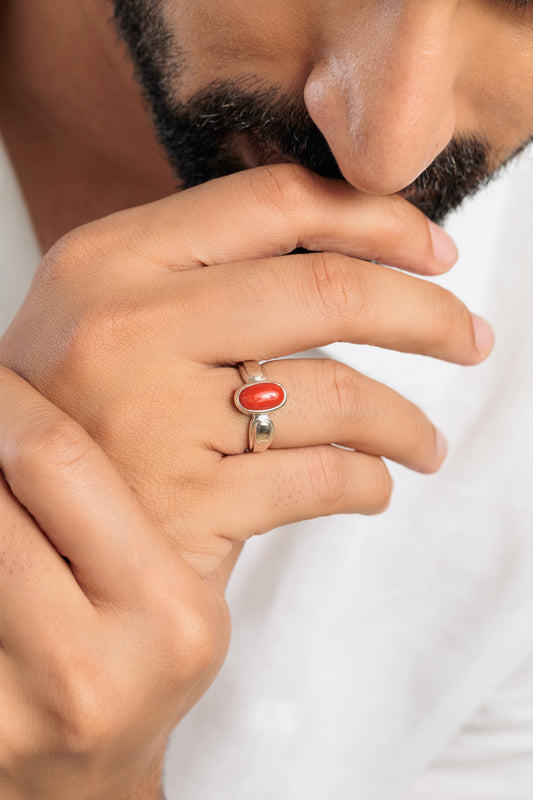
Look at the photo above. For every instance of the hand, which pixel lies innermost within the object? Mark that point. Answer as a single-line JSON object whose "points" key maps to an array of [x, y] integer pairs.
{"points": [[132, 326], [107, 637]]}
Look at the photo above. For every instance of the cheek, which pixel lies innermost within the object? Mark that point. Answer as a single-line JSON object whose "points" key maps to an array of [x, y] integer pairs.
{"points": [[497, 86], [231, 39]]}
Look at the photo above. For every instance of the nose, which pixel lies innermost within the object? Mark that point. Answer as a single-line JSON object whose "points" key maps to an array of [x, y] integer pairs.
{"points": [[382, 95]]}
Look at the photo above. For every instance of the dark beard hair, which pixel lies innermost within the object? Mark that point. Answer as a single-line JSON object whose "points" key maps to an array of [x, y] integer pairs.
{"points": [[201, 136]]}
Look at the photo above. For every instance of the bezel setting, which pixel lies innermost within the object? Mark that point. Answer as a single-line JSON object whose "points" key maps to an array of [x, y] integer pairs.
{"points": [[258, 412]]}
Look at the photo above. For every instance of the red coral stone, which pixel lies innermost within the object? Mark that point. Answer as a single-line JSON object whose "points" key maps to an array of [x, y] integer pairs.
{"points": [[264, 396]]}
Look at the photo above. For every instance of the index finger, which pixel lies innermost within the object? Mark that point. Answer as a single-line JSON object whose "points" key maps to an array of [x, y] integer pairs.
{"points": [[61, 476], [270, 211]]}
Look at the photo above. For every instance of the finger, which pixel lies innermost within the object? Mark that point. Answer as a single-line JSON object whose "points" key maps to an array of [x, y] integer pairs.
{"points": [[297, 484], [69, 486], [36, 584], [275, 307], [274, 210], [331, 402]]}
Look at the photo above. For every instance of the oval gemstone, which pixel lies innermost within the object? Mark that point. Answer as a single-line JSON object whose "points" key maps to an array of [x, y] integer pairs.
{"points": [[264, 396]]}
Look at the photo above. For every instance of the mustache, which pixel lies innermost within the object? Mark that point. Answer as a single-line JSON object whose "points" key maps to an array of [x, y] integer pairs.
{"points": [[461, 169], [212, 119]]}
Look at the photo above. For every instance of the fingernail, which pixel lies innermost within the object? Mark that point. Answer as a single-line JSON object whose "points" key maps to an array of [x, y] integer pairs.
{"points": [[441, 445], [483, 334], [444, 248]]}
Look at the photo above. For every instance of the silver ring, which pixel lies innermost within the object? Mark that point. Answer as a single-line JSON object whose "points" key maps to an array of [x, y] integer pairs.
{"points": [[258, 397]]}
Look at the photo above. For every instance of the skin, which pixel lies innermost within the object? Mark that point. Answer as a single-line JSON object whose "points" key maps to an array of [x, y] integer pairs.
{"points": [[110, 334], [56, 742], [459, 61], [450, 63], [125, 357]]}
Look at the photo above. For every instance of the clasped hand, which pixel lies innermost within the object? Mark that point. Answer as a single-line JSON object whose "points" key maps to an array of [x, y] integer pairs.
{"points": [[133, 327]]}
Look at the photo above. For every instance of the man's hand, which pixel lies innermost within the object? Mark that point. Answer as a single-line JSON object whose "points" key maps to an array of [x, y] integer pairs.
{"points": [[107, 637], [132, 326]]}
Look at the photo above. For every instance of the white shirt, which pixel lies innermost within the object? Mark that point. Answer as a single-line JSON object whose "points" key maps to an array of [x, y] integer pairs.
{"points": [[387, 658], [19, 251]]}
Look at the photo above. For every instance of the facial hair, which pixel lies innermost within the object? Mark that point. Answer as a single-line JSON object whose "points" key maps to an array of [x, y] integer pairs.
{"points": [[202, 136]]}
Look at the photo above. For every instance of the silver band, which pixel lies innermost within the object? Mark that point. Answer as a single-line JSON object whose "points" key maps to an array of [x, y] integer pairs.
{"points": [[247, 400], [260, 433], [252, 371]]}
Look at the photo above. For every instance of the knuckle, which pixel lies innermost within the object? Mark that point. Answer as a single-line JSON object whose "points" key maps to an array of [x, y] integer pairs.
{"points": [[55, 446], [85, 727], [70, 253], [339, 389], [336, 286], [401, 222], [193, 632], [80, 712], [284, 187], [198, 651], [329, 481]]}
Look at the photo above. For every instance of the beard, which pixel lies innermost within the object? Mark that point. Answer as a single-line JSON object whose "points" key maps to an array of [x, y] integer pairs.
{"points": [[203, 137]]}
